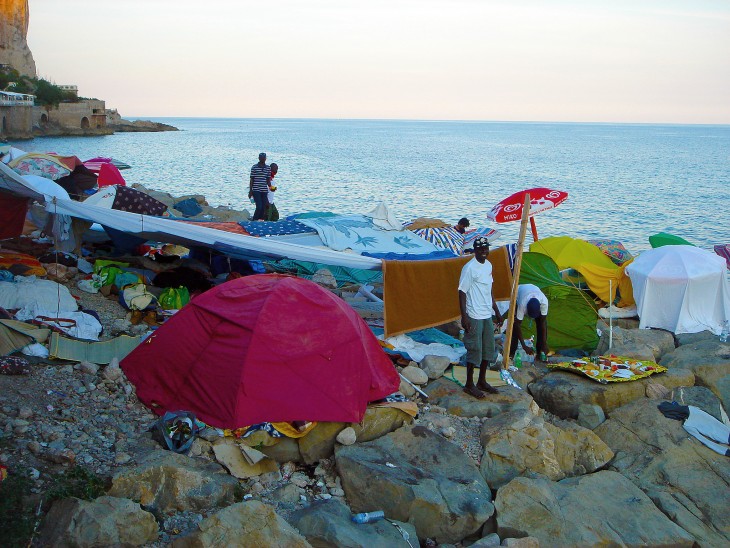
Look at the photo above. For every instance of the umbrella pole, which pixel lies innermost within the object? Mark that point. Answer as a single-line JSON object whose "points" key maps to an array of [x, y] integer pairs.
{"points": [[533, 227], [515, 282]]}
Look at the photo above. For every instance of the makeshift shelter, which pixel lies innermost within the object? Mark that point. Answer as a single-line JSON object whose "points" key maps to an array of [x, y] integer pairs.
{"points": [[264, 348], [571, 318], [681, 288]]}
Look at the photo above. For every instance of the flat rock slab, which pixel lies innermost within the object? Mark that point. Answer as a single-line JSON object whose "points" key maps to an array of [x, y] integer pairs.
{"points": [[562, 393], [640, 344], [601, 509], [329, 524], [451, 396], [708, 359], [418, 477], [686, 480]]}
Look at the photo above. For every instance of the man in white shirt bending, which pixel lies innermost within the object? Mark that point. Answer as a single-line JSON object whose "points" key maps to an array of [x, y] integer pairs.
{"points": [[533, 303], [477, 305]]}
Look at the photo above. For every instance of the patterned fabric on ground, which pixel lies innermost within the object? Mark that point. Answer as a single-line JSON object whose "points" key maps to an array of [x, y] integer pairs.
{"points": [[276, 228], [41, 165], [723, 250], [444, 238], [613, 249], [359, 233], [20, 264], [135, 201]]}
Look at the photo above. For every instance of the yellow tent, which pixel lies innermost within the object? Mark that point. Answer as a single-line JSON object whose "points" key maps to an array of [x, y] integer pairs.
{"points": [[601, 274]]}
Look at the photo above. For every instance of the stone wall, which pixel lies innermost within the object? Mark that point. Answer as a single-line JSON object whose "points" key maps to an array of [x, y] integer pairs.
{"points": [[14, 49], [16, 122]]}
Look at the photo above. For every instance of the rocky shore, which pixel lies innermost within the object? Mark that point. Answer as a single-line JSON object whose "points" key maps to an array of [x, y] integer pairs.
{"points": [[561, 461]]}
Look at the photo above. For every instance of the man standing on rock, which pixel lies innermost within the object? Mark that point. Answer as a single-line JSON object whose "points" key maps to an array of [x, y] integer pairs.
{"points": [[477, 305], [258, 187]]}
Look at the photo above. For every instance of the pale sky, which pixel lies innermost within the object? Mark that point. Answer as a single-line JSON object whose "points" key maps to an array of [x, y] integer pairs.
{"points": [[513, 60]]}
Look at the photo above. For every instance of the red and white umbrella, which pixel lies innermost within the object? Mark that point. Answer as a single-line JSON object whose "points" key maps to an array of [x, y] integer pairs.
{"points": [[541, 199]]}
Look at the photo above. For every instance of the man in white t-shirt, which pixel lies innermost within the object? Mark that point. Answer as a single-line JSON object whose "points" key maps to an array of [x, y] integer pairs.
{"points": [[477, 305], [533, 303]]}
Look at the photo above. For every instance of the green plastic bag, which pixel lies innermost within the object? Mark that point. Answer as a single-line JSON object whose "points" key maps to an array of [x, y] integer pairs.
{"points": [[174, 298]]}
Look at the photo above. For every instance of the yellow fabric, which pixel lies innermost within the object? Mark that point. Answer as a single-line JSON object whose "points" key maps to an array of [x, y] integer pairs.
{"points": [[425, 222], [421, 294], [598, 278], [569, 252], [605, 376], [290, 432]]}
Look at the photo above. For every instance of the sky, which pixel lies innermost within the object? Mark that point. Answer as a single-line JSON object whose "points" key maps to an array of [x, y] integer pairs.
{"points": [[642, 61]]}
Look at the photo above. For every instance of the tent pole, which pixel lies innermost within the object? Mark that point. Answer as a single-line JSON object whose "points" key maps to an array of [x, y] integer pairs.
{"points": [[515, 282], [533, 227]]}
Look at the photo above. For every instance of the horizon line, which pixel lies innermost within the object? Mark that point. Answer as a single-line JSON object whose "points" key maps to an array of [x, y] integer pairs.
{"points": [[319, 118]]}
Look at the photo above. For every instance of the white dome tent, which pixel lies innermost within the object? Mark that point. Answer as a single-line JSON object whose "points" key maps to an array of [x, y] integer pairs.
{"points": [[681, 288]]}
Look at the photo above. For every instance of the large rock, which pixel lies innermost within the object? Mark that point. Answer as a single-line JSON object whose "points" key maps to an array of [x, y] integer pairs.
{"points": [[708, 359], [245, 524], [562, 393], [434, 366], [601, 509], [640, 344], [105, 521], [685, 479], [168, 482], [692, 338], [519, 443], [416, 476], [329, 525], [14, 50], [449, 395], [379, 421], [286, 450]]}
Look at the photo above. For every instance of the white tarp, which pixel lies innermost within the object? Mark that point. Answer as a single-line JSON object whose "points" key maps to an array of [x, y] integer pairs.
{"points": [[680, 288]]}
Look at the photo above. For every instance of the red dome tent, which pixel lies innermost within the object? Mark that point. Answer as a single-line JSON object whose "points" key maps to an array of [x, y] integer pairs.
{"points": [[265, 348]]}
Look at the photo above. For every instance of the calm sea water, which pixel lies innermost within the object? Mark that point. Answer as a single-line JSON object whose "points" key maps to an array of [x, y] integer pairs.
{"points": [[625, 181]]}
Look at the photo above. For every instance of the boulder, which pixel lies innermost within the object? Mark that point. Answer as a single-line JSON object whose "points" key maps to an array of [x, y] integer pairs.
{"points": [[103, 522], [329, 524], [286, 450], [708, 359], [406, 389], [590, 415], [562, 393], [250, 523], [685, 479], [601, 509], [347, 436], [319, 443], [519, 443], [449, 395], [379, 421], [692, 338], [416, 476], [415, 374], [168, 482], [640, 344], [434, 366]]}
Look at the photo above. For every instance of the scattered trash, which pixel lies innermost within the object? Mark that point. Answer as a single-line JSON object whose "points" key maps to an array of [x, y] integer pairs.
{"points": [[390, 465], [368, 517]]}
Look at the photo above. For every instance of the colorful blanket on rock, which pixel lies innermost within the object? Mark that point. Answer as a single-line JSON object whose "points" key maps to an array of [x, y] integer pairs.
{"points": [[611, 368]]}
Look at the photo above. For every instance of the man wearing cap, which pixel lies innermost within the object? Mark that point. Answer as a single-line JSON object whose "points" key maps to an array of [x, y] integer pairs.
{"points": [[258, 187], [477, 306], [534, 303]]}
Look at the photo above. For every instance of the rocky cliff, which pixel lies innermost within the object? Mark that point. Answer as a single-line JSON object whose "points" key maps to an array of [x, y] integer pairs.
{"points": [[14, 49]]}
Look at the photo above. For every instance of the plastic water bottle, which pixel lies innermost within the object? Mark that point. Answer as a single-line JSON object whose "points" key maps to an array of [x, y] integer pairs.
{"points": [[725, 333], [529, 358], [518, 359], [368, 517]]}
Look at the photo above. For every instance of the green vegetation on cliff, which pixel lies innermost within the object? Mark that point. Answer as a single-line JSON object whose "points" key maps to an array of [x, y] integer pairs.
{"points": [[46, 93]]}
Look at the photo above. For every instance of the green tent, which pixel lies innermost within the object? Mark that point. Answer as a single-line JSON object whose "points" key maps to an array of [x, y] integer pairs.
{"points": [[663, 238], [572, 313]]}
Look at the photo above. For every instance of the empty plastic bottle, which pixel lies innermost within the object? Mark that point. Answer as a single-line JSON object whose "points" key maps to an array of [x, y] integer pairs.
{"points": [[725, 335], [518, 359], [368, 517]]}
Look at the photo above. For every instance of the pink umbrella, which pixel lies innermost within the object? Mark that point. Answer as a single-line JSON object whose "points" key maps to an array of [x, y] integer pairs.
{"points": [[541, 199]]}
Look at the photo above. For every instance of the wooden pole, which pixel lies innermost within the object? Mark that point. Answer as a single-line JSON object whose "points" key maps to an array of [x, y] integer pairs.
{"points": [[515, 283]]}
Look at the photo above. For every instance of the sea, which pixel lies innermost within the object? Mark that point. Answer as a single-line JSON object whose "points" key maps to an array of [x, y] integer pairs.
{"points": [[624, 181]]}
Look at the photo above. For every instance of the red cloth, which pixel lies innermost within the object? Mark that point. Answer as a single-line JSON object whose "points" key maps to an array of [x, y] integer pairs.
{"points": [[109, 175], [12, 212], [264, 348]]}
